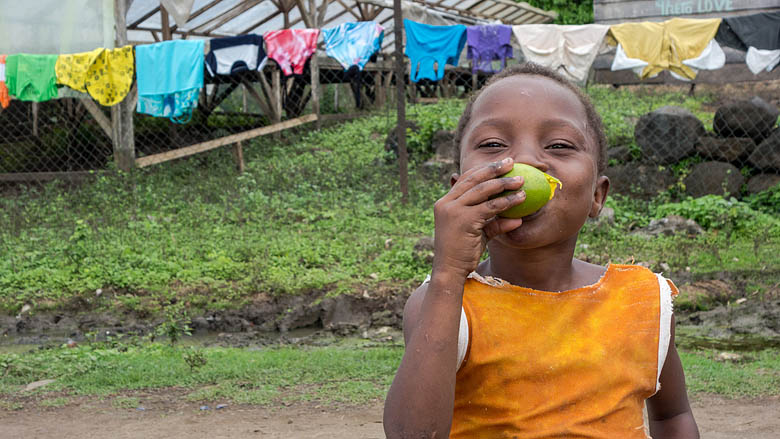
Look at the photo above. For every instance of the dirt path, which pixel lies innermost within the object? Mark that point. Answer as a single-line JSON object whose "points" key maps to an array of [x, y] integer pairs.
{"points": [[166, 417]]}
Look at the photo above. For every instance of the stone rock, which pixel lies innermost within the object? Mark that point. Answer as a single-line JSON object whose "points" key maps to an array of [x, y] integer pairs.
{"points": [[671, 225], [439, 169], [391, 141], [755, 119], [620, 154], [37, 384], [762, 182], [423, 249], [713, 178], [302, 311], [344, 314], [443, 144], [727, 149], [606, 218], [385, 318], [767, 153], [668, 134], [642, 181]]}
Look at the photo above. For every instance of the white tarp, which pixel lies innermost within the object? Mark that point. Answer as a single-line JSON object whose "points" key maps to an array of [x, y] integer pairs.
{"points": [[55, 26]]}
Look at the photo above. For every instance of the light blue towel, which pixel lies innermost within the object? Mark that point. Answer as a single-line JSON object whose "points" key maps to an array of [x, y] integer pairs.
{"points": [[170, 76], [427, 45], [352, 44]]}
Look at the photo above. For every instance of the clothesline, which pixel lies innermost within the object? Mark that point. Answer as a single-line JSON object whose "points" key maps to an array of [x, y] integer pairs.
{"points": [[170, 74]]}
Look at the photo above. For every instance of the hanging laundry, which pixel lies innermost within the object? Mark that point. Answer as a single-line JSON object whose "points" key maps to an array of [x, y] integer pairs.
{"points": [[170, 76], [427, 45], [291, 48], [31, 77], [487, 43], [759, 34], [231, 55], [568, 49], [352, 44], [180, 9], [106, 75], [5, 98], [668, 45]]}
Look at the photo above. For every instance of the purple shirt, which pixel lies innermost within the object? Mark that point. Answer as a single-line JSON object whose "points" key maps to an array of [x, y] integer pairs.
{"points": [[487, 43]]}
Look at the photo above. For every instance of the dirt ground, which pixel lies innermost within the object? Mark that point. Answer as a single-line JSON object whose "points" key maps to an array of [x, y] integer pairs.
{"points": [[165, 415]]}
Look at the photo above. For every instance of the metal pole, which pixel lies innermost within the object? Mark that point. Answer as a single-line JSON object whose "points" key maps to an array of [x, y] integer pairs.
{"points": [[400, 81]]}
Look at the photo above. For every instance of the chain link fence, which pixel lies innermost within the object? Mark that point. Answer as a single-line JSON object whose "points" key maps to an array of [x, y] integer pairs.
{"points": [[724, 143]]}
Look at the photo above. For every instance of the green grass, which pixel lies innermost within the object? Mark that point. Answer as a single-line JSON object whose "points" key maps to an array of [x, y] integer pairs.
{"points": [[336, 374], [317, 211], [757, 374], [285, 375]]}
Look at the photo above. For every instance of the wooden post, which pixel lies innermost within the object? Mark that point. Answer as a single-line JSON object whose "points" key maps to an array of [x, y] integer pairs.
{"points": [[474, 78], [314, 66], [379, 90], [238, 154], [166, 26], [400, 80], [276, 86], [123, 138]]}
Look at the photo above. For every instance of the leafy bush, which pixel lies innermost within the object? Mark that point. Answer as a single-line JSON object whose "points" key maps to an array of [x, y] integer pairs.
{"points": [[767, 201], [429, 119], [716, 212], [569, 11]]}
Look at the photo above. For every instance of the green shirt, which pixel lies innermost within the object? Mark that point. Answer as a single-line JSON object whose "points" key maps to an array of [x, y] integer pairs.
{"points": [[31, 77]]}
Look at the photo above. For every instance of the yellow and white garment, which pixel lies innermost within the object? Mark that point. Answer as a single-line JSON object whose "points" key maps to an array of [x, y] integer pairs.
{"points": [[106, 75], [567, 49], [681, 45]]}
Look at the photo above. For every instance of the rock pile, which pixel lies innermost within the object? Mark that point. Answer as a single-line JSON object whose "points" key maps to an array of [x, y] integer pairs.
{"points": [[745, 133]]}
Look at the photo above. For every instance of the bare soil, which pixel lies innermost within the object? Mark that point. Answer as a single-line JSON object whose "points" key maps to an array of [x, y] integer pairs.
{"points": [[167, 415]]}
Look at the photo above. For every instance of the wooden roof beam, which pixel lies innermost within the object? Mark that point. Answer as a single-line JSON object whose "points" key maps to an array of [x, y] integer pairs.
{"points": [[199, 12], [344, 5], [143, 18], [226, 16], [261, 22]]}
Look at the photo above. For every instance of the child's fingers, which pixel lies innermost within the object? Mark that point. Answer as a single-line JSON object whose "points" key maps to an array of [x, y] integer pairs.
{"points": [[477, 175], [491, 208], [499, 226], [483, 191]]}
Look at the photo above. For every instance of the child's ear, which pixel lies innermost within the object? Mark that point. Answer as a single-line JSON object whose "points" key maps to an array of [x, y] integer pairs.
{"points": [[599, 195], [454, 178]]}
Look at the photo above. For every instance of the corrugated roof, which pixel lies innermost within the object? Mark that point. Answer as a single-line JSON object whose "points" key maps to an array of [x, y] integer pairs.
{"points": [[215, 18]]}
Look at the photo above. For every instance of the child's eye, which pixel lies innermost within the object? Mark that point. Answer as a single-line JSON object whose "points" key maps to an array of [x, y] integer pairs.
{"points": [[560, 145], [492, 145]]}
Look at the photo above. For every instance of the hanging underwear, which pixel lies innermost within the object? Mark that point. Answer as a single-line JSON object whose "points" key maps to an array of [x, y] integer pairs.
{"points": [[487, 43], [5, 98], [667, 45], [567, 49], [353, 44], [291, 48], [232, 55], [106, 75], [170, 76], [31, 77], [427, 45], [758, 34]]}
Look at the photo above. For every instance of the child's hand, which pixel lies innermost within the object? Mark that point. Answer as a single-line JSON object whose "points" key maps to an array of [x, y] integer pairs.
{"points": [[465, 218]]}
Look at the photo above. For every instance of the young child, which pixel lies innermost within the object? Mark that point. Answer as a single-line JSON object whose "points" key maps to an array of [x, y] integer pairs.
{"points": [[533, 343]]}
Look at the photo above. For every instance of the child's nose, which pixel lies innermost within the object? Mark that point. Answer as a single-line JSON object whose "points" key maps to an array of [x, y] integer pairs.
{"points": [[530, 159]]}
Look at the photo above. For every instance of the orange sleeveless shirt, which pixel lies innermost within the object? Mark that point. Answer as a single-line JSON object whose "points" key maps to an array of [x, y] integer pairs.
{"points": [[574, 364]]}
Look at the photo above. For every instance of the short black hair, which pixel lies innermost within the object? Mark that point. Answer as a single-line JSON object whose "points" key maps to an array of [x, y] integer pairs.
{"points": [[595, 126]]}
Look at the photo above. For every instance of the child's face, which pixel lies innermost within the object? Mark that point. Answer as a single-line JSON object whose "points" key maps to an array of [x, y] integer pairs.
{"points": [[538, 122]]}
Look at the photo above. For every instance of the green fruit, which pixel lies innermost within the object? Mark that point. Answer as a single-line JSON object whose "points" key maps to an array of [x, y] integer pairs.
{"points": [[539, 189]]}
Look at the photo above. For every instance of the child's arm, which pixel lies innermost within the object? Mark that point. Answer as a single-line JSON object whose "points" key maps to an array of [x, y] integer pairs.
{"points": [[421, 398], [668, 410]]}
